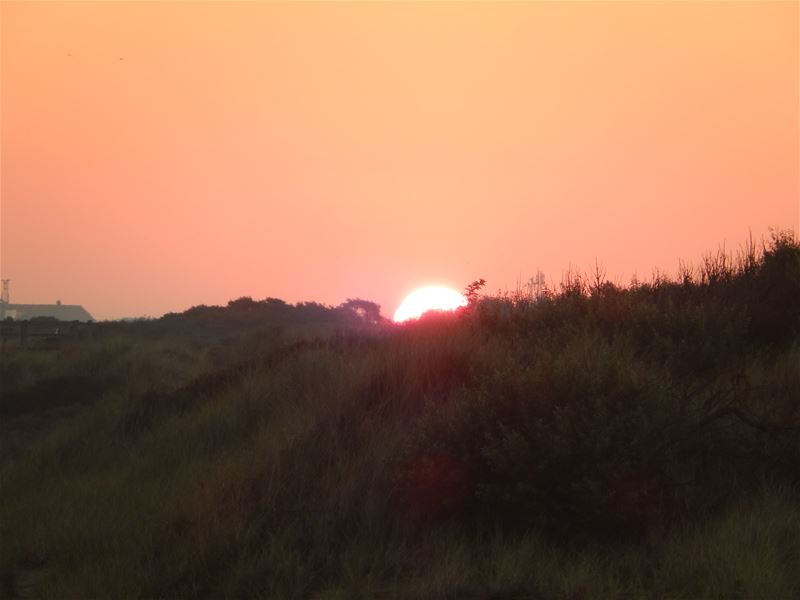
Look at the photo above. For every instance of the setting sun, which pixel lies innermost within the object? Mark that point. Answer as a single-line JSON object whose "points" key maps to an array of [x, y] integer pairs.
{"points": [[425, 299]]}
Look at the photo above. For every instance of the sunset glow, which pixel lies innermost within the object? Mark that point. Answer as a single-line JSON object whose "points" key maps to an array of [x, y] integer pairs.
{"points": [[426, 299], [399, 299], [161, 155]]}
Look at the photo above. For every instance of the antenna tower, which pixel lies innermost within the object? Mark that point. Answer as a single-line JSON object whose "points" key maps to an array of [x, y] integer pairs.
{"points": [[536, 285], [6, 295]]}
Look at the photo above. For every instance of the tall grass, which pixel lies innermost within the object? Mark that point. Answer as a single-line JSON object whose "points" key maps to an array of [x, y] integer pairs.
{"points": [[595, 441]]}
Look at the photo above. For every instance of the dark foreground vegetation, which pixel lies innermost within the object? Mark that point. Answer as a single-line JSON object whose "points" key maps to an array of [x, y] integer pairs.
{"points": [[597, 442]]}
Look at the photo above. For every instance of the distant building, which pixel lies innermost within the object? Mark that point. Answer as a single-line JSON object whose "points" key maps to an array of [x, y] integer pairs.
{"points": [[62, 312]]}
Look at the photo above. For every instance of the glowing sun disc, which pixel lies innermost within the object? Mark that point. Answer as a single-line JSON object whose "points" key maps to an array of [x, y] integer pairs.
{"points": [[424, 299]]}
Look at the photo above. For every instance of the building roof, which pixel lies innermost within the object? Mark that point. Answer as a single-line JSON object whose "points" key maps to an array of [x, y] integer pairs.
{"points": [[62, 312]]}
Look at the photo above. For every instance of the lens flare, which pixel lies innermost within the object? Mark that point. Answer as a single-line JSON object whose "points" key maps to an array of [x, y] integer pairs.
{"points": [[425, 299]]}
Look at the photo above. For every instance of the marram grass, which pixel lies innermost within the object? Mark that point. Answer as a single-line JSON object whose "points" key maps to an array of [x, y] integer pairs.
{"points": [[595, 442]]}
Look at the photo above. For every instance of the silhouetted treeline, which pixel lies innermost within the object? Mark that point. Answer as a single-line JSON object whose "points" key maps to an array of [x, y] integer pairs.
{"points": [[245, 312]]}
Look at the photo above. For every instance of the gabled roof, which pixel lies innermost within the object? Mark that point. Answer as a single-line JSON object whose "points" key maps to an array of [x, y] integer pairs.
{"points": [[62, 312]]}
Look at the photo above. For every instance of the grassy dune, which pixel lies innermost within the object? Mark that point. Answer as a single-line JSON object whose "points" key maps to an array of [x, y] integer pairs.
{"points": [[595, 442]]}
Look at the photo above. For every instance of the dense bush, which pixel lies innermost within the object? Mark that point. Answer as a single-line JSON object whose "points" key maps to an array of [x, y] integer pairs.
{"points": [[611, 411], [597, 441]]}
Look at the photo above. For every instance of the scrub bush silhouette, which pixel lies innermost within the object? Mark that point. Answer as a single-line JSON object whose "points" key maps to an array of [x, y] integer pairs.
{"points": [[598, 441], [609, 412]]}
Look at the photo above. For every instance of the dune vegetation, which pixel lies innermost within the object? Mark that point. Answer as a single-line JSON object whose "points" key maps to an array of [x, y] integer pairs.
{"points": [[594, 441]]}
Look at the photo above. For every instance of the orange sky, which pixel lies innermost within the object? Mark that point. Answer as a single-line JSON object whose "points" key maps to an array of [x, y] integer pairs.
{"points": [[324, 151]]}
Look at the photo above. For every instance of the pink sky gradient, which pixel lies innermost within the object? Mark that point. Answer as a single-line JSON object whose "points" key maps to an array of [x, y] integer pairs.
{"points": [[161, 155]]}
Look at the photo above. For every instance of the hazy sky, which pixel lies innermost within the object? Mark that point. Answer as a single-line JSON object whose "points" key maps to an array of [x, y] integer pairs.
{"points": [[159, 155]]}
